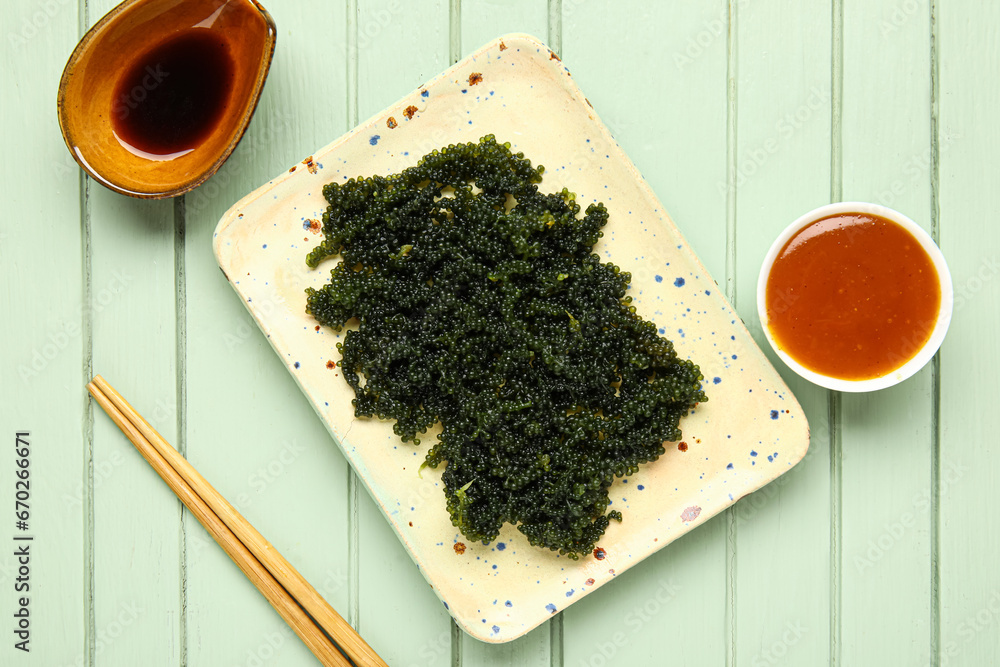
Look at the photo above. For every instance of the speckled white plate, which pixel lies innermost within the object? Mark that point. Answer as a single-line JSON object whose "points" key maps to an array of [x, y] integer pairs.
{"points": [[751, 431]]}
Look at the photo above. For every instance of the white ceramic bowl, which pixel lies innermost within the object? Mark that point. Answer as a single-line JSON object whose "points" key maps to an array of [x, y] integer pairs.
{"points": [[944, 313]]}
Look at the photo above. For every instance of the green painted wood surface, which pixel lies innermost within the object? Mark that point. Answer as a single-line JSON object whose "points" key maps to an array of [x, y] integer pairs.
{"points": [[885, 519], [964, 176], [742, 114], [785, 551]]}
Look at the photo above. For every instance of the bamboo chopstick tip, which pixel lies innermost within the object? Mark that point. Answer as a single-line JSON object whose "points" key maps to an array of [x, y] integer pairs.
{"points": [[310, 616]]}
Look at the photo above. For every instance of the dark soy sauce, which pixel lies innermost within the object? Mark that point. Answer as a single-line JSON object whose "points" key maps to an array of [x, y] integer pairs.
{"points": [[172, 97]]}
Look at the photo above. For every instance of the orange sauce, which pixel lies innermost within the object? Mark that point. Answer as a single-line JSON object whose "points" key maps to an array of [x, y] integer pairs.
{"points": [[852, 296]]}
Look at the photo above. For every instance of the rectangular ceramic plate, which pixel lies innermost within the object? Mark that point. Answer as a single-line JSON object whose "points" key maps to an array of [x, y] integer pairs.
{"points": [[749, 432]]}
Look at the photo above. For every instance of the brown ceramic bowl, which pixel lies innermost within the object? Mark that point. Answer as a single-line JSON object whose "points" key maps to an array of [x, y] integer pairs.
{"points": [[88, 83]]}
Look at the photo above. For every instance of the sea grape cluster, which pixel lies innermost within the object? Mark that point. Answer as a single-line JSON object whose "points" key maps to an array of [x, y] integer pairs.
{"points": [[480, 304]]}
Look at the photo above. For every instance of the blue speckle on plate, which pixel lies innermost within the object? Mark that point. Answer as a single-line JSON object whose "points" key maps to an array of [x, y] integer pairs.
{"points": [[424, 93], [508, 603], [729, 467], [716, 380], [570, 592], [753, 453], [496, 630], [774, 414], [374, 139], [659, 279], [501, 546], [640, 487], [551, 607], [445, 604], [679, 282], [297, 364], [264, 246]]}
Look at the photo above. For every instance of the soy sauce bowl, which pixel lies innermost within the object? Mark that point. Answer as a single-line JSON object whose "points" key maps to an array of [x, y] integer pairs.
{"points": [[90, 100], [919, 357]]}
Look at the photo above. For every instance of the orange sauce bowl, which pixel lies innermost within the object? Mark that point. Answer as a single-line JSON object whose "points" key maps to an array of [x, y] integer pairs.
{"points": [[90, 98], [854, 297]]}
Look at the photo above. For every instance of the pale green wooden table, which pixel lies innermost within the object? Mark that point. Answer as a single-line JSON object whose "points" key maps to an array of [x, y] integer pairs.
{"points": [[880, 548]]}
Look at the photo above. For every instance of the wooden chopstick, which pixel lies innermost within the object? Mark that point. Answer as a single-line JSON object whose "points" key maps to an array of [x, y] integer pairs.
{"points": [[279, 598], [290, 594]]}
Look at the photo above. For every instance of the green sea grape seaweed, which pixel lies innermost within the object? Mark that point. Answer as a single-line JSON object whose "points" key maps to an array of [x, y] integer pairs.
{"points": [[477, 301]]}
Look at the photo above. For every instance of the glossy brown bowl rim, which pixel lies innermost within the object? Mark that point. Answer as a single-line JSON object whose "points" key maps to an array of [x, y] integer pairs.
{"points": [[202, 176]]}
